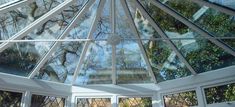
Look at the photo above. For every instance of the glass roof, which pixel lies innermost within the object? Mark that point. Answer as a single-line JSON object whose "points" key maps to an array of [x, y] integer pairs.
{"points": [[115, 41]]}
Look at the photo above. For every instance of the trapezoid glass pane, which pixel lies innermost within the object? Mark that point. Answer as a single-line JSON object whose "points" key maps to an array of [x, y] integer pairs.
{"points": [[200, 53], [130, 64], [21, 58], [16, 20], [97, 65], [182, 99], [10, 99], [47, 101], [93, 102], [217, 23], [62, 63], [219, 94], [135, 102]]}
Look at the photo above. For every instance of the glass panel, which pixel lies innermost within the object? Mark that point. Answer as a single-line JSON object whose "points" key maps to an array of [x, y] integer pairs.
{"points": [[216, 22], [61, 65], [183, 99], [165, 63], [226, 3], [97, 66], [7, 1], [201, 54], [21, 58], [94, 102], [219, 94], [10, 99], [123, 28], [15, 20], [47, 101], [131, 67], [83, 26], [135, 102], [103, 29]]}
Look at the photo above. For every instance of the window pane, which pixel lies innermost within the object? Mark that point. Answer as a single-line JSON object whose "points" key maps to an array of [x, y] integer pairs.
{"points": [[94, 102], [226, 3], [220, 94], [216, 22], [201, 54], [97, 66], [10, 99], [47, 101], [131, 66], [184, 99], [135, 102], [21, 58], [16, 20]]}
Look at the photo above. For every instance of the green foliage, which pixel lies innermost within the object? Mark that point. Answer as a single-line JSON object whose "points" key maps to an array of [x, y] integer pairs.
{"points": [[220, 94], [181, 99]]}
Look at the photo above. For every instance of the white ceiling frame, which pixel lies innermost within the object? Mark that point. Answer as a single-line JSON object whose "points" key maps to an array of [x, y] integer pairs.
{"points": [[214, 6], [63, 35], [113, 30], [13, 5], [193, 26], [36, 23], [86, 46], [136, 34], [163, 35]]}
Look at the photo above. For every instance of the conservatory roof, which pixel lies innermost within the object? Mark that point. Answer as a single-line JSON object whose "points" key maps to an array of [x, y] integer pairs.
{"points": [[83, 42]]}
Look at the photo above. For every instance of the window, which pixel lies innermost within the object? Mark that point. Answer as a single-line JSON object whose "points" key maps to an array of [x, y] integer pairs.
{"points": [[183, 99], [220, 94], [10, 99], [93, 102], [135, 102], [47, 101]]}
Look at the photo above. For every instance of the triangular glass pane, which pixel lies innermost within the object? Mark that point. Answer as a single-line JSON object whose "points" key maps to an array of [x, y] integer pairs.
{"points": [[21, 58], [97, 66], [217, 23], [201, 54], [104, 25], [62, 63], [15, 20], [83, 26], [131, 66]]}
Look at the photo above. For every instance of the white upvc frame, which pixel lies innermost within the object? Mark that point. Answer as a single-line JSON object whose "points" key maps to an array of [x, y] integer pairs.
{"points": [[163, 35], [193, 26], [113, 30], [22, 84], [214, 6]]}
